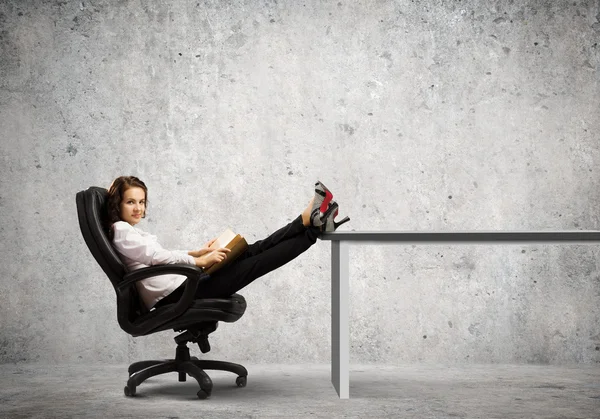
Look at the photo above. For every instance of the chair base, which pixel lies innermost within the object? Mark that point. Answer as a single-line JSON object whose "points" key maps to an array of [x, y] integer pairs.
{"points": [[183, 364]]}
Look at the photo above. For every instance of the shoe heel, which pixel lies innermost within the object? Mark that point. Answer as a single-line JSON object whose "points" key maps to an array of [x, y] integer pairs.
{"points": [[336, 225]]}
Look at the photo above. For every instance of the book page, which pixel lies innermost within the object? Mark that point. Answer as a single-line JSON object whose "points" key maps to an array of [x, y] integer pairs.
{"points": [[223, 239]]}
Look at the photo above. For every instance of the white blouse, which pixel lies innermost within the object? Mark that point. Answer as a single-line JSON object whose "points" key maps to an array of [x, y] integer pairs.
{"points": [[139, 249]]}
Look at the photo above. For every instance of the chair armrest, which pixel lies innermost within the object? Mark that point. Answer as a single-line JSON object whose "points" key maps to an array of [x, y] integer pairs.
{"points": [[194, 276], [189, 271]]}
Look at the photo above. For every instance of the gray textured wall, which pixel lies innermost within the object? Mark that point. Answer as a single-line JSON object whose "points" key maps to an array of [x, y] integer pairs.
{"points": [[455, 115]]}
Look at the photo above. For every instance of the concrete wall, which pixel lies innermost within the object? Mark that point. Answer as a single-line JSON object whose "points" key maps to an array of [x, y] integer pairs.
{"points": [[441, 116]]}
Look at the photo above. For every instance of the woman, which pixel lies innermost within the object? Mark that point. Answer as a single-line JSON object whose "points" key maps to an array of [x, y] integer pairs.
{"points": [[126, 206]]}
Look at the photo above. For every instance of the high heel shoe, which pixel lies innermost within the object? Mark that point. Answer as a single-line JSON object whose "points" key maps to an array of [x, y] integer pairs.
{"points": [[323, 197], [329, 224]]}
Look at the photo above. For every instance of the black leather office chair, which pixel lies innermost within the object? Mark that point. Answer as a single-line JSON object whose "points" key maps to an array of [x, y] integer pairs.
{"points": [[196, 318]]}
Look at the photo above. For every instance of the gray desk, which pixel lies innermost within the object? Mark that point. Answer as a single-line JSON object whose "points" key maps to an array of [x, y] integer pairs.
{"points": [[340, 241]]}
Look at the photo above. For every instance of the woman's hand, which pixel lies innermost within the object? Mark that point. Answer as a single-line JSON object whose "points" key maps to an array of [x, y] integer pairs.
{"points": [[205, 249], [212, 257]]}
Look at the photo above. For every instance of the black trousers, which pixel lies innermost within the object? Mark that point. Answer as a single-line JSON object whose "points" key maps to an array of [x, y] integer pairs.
{"points": [[259, 259]]}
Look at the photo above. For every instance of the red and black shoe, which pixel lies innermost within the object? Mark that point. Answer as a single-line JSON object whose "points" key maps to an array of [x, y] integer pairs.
{"points": [[323, 197]]}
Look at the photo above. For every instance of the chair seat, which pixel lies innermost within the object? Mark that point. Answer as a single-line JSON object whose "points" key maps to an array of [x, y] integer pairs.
{"points": [[201, 311]]}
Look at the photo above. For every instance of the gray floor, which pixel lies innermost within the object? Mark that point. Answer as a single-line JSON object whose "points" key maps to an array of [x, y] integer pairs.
{"points": [[301, 391]]}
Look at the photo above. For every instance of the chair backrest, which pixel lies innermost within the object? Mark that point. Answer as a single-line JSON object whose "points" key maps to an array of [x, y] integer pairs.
{"points": [[91, 211]]}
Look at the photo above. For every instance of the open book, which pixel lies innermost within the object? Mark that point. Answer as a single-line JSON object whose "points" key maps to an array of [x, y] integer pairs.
{"points": [[236, 243]]}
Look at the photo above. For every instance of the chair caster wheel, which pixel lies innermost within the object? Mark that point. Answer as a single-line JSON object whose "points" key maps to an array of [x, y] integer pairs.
{"points": [[129, 391], [241, 381], [202, 394]]}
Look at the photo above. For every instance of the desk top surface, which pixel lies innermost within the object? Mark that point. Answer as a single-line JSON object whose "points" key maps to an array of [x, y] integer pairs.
{"points": [[565, 236]]}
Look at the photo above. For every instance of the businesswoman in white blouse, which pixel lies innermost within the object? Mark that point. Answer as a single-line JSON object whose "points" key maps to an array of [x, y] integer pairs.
{"points": [[127, 202]]}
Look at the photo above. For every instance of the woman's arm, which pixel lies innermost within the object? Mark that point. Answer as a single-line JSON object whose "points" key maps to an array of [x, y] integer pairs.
{"points": [[145, 249]]}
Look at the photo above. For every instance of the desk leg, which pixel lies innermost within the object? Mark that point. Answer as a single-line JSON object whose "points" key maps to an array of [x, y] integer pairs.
{"points": [[340, 337]]}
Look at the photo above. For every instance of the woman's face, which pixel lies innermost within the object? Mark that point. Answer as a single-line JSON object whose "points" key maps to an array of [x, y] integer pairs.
{"points": [[133, 205]]}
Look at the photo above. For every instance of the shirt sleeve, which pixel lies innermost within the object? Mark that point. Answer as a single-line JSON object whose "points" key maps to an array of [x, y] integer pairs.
{"points": [[144, 248]]}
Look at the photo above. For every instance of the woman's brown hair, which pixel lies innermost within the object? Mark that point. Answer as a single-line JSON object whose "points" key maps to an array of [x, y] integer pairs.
{"points": [[114, 198]]}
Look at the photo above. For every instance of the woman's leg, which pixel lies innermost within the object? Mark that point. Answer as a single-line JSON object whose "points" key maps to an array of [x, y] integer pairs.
{"points": [[290, 230], [261, 258], [297, 226]]}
